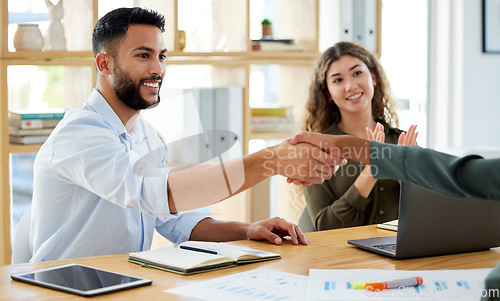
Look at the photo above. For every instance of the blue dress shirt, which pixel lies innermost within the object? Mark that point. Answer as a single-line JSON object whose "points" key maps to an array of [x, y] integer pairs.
{"points": [[100, 190]]}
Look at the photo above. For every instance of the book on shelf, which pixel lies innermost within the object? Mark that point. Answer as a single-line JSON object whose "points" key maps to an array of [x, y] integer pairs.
{"points": [[274, 127], [34, 139], [276, 45], [15, 131], [193, 257], [284, 41], [272, 111], [33, 123], [32, 114], [273, 119]]}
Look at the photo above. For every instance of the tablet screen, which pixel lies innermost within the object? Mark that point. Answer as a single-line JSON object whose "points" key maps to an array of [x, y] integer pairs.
{"points": [[81, 280]]}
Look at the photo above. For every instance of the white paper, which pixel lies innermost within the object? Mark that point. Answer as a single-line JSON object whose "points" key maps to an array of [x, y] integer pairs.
{"points": [[438, 285], [258, 284]]}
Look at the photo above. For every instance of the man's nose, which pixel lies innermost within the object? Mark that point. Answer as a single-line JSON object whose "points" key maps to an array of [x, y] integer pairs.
{"points": [[157, 67]]}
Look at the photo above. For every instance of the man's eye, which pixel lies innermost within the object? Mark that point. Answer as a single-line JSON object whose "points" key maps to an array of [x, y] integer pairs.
{"points": [[143, 55], [162, 57]]}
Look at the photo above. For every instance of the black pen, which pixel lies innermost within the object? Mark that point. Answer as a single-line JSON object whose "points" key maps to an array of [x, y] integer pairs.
{"points": [[199, 250]]}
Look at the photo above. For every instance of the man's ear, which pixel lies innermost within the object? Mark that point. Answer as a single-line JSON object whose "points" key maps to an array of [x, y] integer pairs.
{"points": [[104, 63]]}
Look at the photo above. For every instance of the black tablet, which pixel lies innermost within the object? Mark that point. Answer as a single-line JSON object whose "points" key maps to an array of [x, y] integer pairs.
{"points": [[80, 280]]}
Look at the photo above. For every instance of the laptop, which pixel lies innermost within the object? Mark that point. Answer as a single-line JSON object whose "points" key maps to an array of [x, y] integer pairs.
{"points": [[433, 224]]}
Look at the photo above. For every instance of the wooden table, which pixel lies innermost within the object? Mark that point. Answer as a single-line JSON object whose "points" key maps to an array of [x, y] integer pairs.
{"points": [[328, 250]]}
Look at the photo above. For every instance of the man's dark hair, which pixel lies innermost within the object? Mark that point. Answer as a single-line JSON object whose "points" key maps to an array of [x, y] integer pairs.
{"points": [[113, 26]]}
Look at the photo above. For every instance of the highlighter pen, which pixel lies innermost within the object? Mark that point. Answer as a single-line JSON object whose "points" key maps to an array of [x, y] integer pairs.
{"points": [[374, 286], [359, 285]]}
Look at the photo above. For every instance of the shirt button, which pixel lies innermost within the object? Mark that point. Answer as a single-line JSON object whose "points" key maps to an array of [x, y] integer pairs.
{"points": [[381, 189], [381, 212]]}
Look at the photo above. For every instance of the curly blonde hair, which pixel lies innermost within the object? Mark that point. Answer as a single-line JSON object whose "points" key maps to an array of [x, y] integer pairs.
{"points": [[321, 113]]}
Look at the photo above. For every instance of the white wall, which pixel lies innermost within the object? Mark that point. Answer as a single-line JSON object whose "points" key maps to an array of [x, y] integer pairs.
{"points": [[481, 83], [464, 101]]}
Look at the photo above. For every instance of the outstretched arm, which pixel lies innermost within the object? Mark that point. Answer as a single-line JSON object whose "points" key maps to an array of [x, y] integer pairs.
{"points": [[349, 147], [343, 146], [470, 176], [206, 184]]}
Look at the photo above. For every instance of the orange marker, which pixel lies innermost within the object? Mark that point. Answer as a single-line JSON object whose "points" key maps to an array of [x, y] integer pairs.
{"points": [[374, 286]]}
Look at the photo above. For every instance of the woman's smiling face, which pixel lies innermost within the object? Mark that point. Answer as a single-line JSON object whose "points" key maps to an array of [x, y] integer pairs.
{"points": [[351, 84]]}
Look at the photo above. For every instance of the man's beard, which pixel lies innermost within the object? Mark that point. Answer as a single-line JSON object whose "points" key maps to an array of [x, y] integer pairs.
{"points": [[129, 92]]}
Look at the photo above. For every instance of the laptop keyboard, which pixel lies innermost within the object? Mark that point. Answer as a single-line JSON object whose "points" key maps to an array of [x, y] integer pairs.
{"points": [[388, 247]]}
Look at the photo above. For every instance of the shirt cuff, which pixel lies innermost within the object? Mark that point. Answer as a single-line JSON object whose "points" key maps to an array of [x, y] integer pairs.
{"points": [[387, 161], [178, 228], [355, 199]]}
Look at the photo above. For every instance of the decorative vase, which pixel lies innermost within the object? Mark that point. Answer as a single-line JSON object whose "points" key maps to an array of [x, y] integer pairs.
{"points": [[267, 32], [28, 37], [182, 39]]}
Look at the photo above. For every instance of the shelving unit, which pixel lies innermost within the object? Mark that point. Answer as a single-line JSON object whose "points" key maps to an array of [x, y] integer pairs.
{"points": [[229, 66], [79, 68]]}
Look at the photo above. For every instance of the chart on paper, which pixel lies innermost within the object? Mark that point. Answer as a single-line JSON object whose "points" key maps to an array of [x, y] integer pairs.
{"points": [[258, 284], [437, 285]]}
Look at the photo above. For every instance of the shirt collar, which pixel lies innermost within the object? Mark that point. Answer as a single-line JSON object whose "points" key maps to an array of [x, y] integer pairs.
{"points": [[138, 131], [101, 107]]}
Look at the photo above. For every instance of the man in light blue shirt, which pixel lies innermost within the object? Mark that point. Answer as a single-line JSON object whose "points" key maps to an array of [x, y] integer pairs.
{"points": [[94, 193]]}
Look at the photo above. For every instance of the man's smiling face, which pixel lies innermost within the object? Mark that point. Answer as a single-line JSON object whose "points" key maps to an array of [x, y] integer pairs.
{"points": [[139, 67]]}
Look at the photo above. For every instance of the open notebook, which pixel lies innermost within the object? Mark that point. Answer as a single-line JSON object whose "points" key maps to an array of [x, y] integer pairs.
{"points": [[192, 257], [390, 225]]}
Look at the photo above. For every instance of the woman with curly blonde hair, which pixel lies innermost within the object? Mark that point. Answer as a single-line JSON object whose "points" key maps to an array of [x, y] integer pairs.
{"points": [[350, 95]]}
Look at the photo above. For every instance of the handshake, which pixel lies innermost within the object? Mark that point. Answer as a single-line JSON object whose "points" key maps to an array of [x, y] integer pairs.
{"points": [[305, 159], [323, 154]]}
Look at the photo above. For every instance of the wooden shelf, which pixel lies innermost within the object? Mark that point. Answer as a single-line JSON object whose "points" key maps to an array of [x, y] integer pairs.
{"points": [[48, 55], [247, 54], [24, 148], [269, 57], [48, 62], [176, 58]]}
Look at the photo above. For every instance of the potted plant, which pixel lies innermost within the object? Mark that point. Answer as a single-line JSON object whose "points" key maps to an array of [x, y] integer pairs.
{"points": [[267, 29]]}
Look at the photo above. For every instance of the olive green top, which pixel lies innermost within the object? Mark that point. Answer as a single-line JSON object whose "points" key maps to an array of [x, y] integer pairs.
{"points": [[337, 204]]}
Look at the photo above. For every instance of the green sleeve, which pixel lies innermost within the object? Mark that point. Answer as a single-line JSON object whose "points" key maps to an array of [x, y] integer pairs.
{"points": [[470, 176]]}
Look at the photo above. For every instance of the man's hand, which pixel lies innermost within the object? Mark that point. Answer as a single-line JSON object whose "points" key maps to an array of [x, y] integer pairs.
{"points": [[301, 161], [322, 142], [274, 230]]}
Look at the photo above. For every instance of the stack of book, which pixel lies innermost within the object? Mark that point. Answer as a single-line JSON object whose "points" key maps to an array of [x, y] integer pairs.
{"points": [[273, 119], [276, 45], [32, 127]]}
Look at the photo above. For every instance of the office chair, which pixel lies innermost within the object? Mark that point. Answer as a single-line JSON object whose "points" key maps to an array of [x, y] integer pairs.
{"points": [[305, 222], [21, 250]]}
